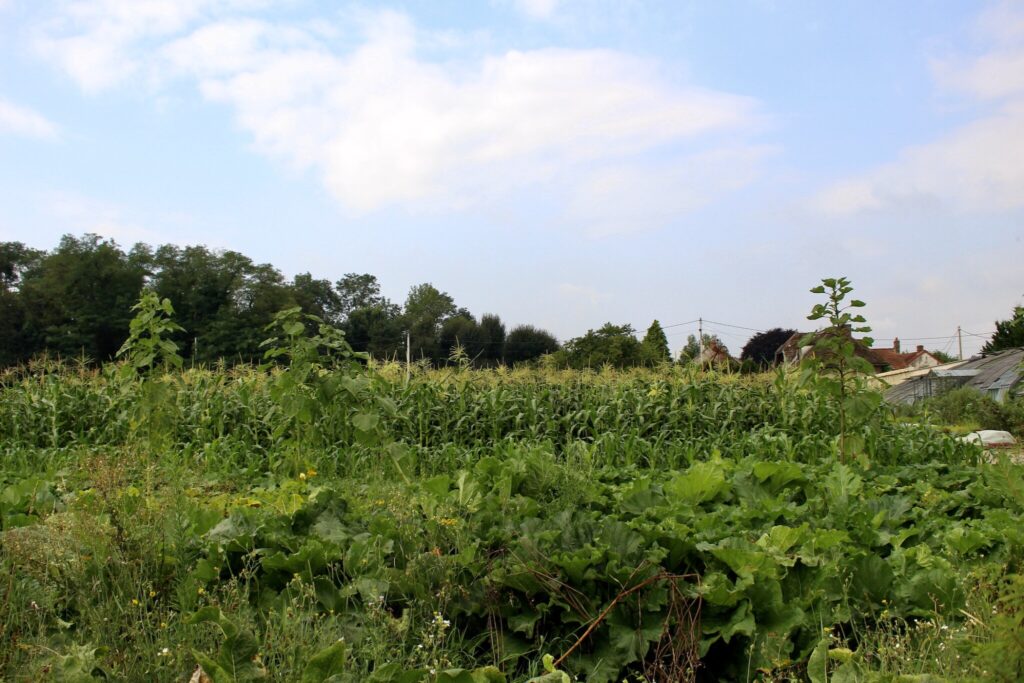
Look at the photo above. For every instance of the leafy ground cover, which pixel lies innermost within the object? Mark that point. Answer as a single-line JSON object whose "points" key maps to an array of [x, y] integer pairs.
{"points": [[330, 523]]}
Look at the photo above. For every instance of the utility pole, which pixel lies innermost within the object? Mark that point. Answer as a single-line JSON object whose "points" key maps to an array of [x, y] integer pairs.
{"points": [[960, 341], [408, 357], [700, 339]]}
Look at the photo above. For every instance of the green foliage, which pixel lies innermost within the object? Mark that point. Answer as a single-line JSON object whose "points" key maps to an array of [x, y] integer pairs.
{"points": [[462, 332], [1003, 655], [426, 308], [80, 664], [78, 297], [611, 345], [148, 346], [942, 356], [149, 353], [1009, 333], [236, 659], [511, 513], [492, 339], [654, 347], [16, 342], [75, 302], [836, 370], [316, 373], [318, 298], [377, 330], [223, 300], [356, 291], [525, 343]]}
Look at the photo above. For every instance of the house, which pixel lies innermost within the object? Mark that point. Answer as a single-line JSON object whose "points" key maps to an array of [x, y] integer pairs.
{"points": [[897, 360], [997, 375], [882, 359], [714, 354], [792, 351]]}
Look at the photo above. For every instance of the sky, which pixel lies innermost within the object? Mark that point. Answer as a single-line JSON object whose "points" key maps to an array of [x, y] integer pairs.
{"points": [[563, 163]]}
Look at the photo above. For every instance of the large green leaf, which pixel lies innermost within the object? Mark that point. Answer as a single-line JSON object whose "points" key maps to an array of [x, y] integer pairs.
{"points": [[702, 482], [327, 662]]}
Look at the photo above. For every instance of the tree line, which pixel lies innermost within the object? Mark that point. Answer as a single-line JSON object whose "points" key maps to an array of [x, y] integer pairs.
{"points": [[75, 301]]}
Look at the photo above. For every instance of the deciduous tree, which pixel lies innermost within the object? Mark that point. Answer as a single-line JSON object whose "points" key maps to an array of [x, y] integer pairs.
{"points": [[1009, 333], [525, 343]]}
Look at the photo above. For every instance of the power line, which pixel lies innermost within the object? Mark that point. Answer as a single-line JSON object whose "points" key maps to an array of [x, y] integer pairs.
{"points": [[914, 338], [688, 322], [738, 327]]}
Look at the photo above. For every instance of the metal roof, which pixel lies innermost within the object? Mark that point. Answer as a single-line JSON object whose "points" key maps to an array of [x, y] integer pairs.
{"points": [[955, 372], [996, 372]]}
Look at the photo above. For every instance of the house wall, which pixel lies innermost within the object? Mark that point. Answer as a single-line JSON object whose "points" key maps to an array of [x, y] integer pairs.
{"points": [[924, 361]]}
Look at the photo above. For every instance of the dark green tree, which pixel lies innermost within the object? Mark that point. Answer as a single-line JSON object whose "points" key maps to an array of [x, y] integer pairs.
{"points": [[492, 339], [202, 287], [426, 308], [15, 259], [1009, 333], [525, 343], [357, 290], [238, 332], [78, 298], [760, 349], [378, 330], [461, 331], [614, 345], [654, 347], [16, 345], [317, 297]]}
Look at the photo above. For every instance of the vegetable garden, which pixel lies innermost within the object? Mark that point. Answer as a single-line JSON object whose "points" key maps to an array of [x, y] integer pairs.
{"points": [[322, 519]]}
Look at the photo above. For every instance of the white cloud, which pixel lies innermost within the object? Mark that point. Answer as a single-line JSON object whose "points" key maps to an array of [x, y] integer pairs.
{"points": [[975, 167], [379, 124], [383, 126], [101, 43], [19, 120], [998, 71], [537, 9]]}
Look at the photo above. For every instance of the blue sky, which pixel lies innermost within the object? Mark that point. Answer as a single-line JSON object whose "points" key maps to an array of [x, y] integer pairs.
{"points": [[559, 162]]}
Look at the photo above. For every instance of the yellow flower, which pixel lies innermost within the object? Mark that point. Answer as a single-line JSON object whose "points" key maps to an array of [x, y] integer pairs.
{"points": [[135, 602], [302, 476], [310, 472], [152, 594], [201, 591]]}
